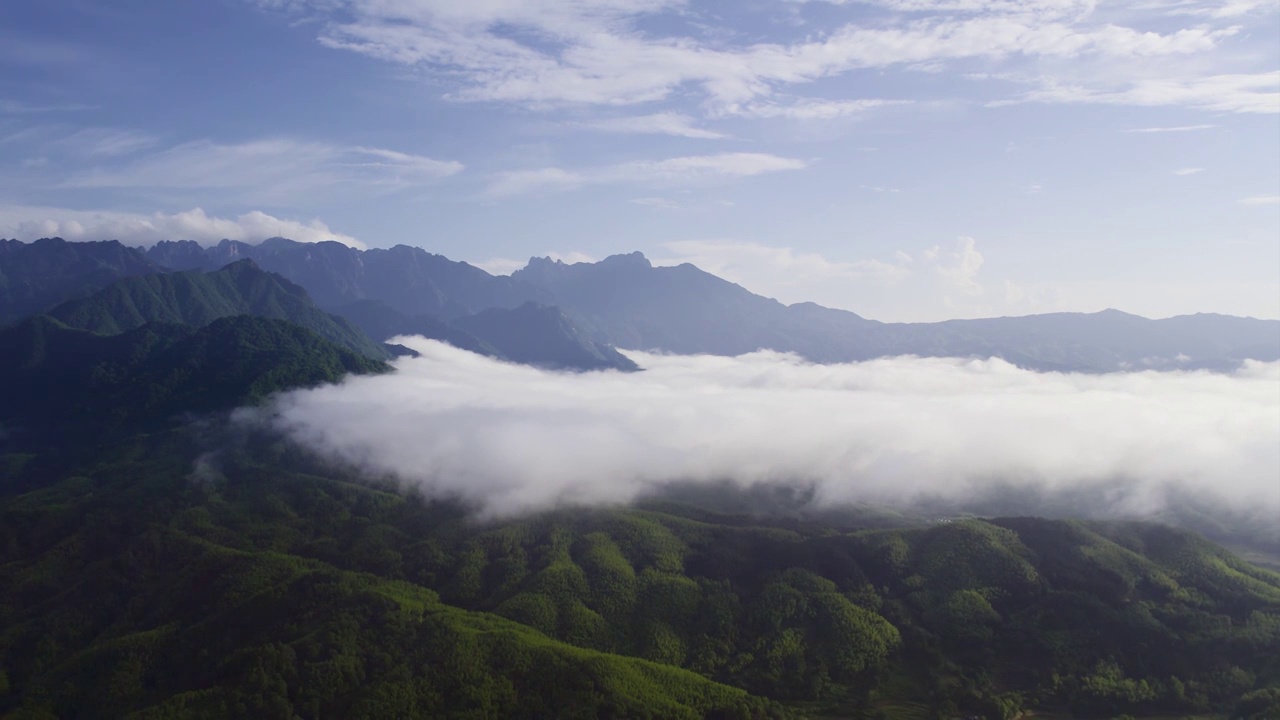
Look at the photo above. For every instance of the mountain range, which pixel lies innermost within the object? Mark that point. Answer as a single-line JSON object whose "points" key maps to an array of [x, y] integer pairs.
{"points": [[36, 276], [624, 301], [627, 302]]}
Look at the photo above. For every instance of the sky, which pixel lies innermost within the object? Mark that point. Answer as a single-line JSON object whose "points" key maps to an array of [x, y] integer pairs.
{"points": [[514, 439], [905, 159]]}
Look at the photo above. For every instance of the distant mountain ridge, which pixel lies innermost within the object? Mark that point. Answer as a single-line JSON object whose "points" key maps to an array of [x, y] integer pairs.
{"points": [[531, 334], [408, 279], [626, 301], [36, 276]]}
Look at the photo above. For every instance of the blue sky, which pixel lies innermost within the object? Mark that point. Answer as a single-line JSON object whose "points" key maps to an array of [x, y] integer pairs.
{"points": [[905, 159]]}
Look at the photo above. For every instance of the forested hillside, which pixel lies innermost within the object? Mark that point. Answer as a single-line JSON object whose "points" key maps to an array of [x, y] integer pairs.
{"points": [[64, 387], [185, 574], [199, 298]]}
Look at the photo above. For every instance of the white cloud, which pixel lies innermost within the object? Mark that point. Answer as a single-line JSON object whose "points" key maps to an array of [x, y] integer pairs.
{"points": [[667, 123], [740, 164], [677, 170], [1227, 9], [608, 52], [959, 266], [1261, 200], [513, 439], [657, 202], [17, 107], [751, 264], [520, 182], [1174, 129], [1244, 93], [811, 109], [1183, 172], [31, 223], [909, 286], [277, 169], [107, 142]]}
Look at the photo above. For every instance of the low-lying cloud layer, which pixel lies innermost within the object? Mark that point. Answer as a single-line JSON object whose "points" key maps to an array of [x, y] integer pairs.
{"points": [[32, 223], [512, 438]]}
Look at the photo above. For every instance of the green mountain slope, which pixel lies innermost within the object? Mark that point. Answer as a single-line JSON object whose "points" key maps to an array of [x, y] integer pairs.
{"points": [[199, 298], [130, 595], [60, 384], [314, 594]]}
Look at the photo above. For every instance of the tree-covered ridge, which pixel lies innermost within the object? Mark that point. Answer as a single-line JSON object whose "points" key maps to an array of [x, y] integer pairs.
{"points": [[36, 276], [408, 279], [62, 385], [198, 298], [964, 618], [137, 593]]}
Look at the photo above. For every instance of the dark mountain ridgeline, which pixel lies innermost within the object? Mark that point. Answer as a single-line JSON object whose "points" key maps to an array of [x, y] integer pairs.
{"points": [[408, 279], [198, 298], [36, 276]]}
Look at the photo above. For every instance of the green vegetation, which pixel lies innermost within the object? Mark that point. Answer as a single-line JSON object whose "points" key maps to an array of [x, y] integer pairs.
{"points": [[65, 386], [158, 581], [198, 298]]}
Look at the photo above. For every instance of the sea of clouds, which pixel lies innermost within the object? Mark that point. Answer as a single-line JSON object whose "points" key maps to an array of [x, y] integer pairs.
{"points": [[511, 438]]}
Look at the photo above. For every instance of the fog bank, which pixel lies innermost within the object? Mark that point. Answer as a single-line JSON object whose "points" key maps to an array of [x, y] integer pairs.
{"points": [[512, 438]]}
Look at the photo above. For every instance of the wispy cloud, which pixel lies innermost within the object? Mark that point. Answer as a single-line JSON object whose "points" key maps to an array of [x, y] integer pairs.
{"points": [[1173, 129], [1244, 93], [544, 55], [677, 170], [1261, 200], [520, 182], [107, 142], [30, 223], [667, 123], [811, 109], [16, 107], [656, 202], [1183, 172], [273, 169]]}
